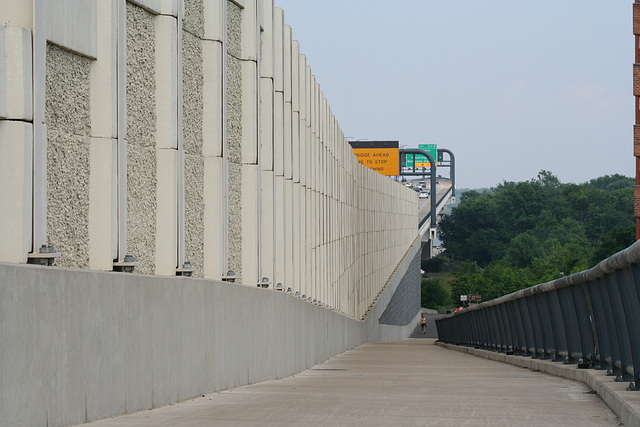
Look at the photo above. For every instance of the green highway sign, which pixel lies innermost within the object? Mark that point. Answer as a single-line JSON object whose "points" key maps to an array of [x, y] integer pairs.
{"points": [[407, 161], [422, 161]]}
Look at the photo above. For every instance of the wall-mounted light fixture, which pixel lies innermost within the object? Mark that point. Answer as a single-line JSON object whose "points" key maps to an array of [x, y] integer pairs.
{"points": [[46, 255], [264, 283], [186, 270], [229, 277], [127, 265], [279, 287], [289, 290]]}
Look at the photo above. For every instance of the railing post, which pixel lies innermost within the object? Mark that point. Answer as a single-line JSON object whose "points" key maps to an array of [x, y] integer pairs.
{"points": [[570, 321], [619, 315], [558, 326], [605, 332]]}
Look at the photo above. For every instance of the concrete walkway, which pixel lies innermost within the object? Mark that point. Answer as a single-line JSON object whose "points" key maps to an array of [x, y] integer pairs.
{"points": [[410, 382]]}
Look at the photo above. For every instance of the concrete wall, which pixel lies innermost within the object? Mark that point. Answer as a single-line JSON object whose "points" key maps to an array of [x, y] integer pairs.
{"points": [[179, 131], [182, 131], [83, 345], [405, 301]]}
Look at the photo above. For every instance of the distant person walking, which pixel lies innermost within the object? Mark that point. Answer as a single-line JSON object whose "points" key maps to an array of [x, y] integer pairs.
{"points": [[423, 323]]}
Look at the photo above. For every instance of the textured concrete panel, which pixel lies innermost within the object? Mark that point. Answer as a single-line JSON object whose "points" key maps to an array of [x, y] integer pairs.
{"points": [[69, 127], [192, 88], [234, 136], [141, 86], [15, 73], [16, 142], [234, 111], [194, 212], [141, 133], [67, 92], [235, 218], [72, 25], [212, 98], [194, 21], [141, 206], [234, 29]]}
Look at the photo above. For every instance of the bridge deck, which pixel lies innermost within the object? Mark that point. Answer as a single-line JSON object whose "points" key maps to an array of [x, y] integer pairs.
{"points": [[409, 382]]}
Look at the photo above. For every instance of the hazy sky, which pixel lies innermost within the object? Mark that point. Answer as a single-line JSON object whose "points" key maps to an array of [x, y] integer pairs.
{"points": [[510, 86]]}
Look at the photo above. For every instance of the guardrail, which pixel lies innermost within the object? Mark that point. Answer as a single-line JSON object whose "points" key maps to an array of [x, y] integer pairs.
{"points": [[427, 216], [591, 318]]}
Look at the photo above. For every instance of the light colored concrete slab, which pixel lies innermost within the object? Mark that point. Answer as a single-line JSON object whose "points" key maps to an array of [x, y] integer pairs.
{"points": [[16, 139], [409, 382], [15, 73], [72, 24]]}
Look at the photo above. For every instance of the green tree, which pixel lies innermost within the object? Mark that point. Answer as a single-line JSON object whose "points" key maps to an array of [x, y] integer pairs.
{"points": [[614, 241], [522, 233], [522, 250], [434, 295]]}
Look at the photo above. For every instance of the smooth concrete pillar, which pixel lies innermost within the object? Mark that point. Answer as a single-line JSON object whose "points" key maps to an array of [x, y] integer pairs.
{"points": [[103, 203], [215, 217], [103, 151], [166, 72], [166, 212], [214, 198], [16, 145], [250, 224]]}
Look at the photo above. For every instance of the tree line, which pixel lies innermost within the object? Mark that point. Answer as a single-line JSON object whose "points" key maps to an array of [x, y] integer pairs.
{"points": [[519, 234]]}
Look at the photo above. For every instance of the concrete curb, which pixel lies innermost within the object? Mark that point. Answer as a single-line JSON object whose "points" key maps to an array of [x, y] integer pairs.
{"points": [[626, 404]]}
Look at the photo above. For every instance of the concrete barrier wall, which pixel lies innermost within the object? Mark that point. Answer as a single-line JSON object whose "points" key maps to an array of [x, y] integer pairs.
{"points": [[85, 345], [180, 131]]}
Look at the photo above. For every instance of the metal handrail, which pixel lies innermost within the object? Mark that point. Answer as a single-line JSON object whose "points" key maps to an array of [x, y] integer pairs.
{"points": [[591, 318]]}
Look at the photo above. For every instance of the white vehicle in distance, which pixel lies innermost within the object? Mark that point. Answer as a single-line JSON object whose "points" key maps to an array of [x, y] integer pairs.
{"points": [[423, 195]]}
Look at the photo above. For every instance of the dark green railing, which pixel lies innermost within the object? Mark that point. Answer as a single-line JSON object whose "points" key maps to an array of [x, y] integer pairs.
{"points": [[591, 318]]}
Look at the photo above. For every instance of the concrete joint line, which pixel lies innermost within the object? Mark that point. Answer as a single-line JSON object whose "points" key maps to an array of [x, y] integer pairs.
{"points": [[16, 120], [243, 59]]}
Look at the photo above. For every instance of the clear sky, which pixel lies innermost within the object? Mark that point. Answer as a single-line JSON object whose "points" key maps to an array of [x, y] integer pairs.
{"points": [[510, 86]]}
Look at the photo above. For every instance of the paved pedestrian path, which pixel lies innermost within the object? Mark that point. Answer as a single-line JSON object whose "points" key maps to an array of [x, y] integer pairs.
{"points": [[403, 383]]}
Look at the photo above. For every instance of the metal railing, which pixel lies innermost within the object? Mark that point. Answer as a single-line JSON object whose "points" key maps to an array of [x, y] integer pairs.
{"points": [[591, 318]]}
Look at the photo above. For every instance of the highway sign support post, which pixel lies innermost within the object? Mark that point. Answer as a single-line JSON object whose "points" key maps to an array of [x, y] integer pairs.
{"points": [[451, 164]]}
